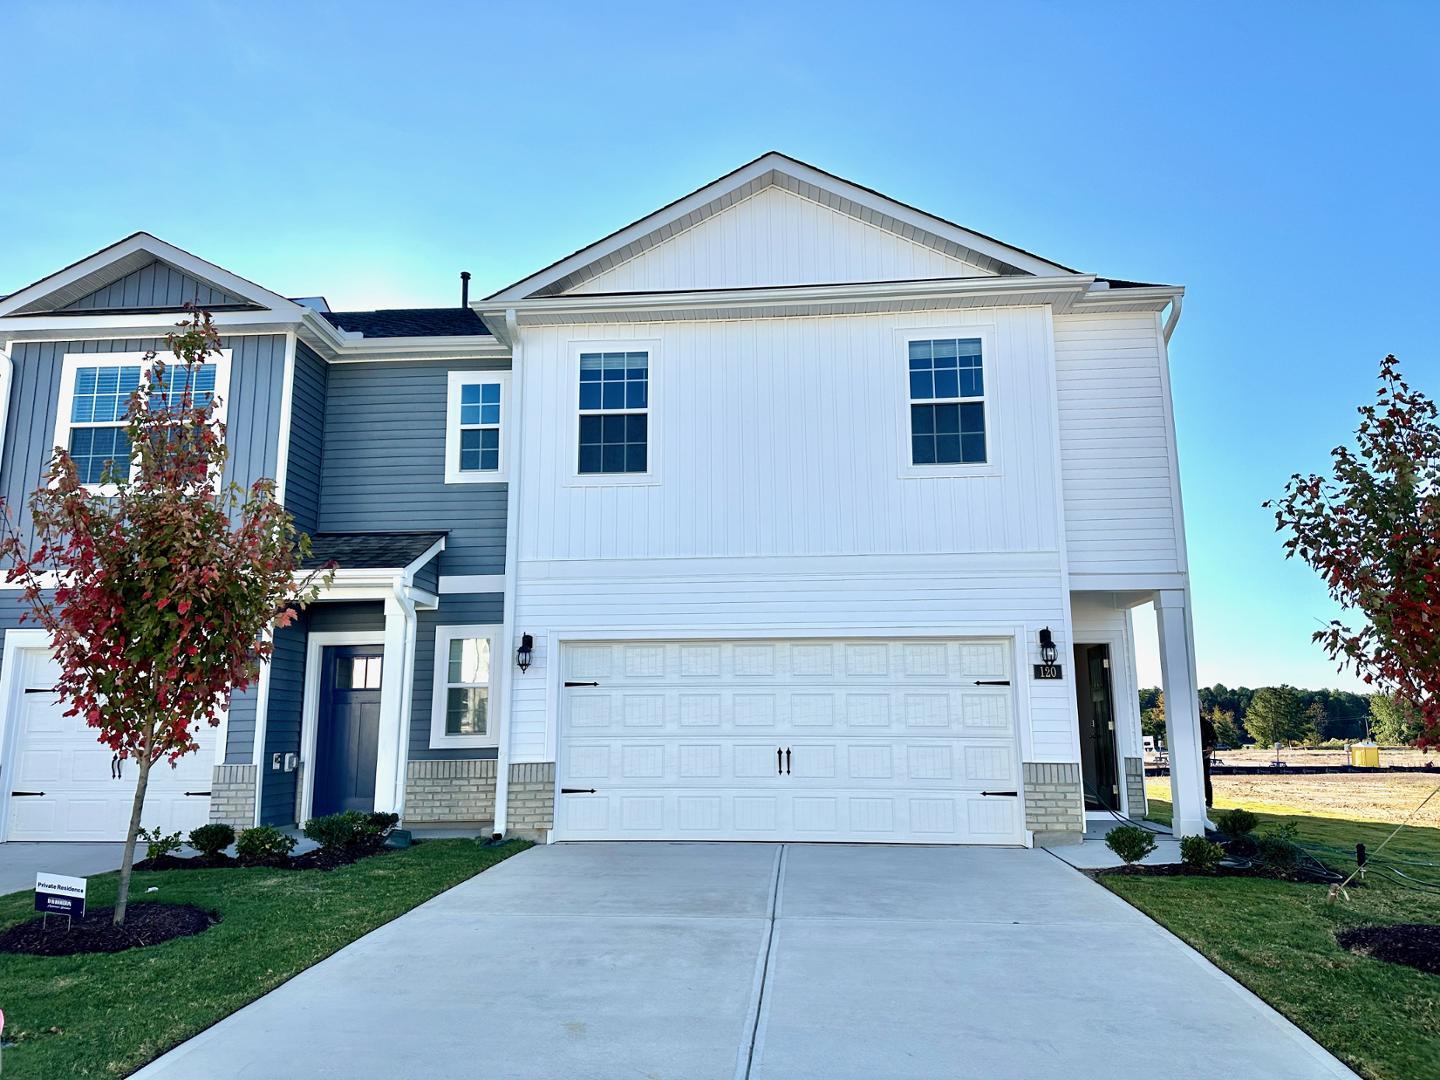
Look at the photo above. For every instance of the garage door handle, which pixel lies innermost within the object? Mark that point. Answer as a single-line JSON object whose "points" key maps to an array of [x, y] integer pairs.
{"points": [[787, 761], [582, 684], [992, 682], [577, 791], [779, 762], [24, 793], [1012, 794]]}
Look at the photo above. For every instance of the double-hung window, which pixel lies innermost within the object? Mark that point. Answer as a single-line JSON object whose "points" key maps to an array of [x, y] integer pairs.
{"points": [[474, 418], [614, 413], [95, 392], [947, 402], [465, 660]]}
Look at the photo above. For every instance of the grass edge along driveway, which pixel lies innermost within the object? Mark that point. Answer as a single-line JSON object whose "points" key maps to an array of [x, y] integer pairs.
{"points": [[1277, 938], [106, 1015]]}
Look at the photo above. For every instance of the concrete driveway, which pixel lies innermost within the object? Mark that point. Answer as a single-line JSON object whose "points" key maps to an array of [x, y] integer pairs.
{"points": [[20, 862], [727, 961]]}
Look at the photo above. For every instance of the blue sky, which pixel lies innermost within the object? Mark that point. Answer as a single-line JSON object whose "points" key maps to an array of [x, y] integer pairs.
{"points": [[1279, 160]]}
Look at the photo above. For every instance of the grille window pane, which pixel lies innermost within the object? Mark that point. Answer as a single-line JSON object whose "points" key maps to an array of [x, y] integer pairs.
{"points": [[948, 375], [479, 427], [614, 399]]}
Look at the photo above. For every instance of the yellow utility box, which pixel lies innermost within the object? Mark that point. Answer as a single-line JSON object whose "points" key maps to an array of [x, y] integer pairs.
{"points": [[1365, 755]]}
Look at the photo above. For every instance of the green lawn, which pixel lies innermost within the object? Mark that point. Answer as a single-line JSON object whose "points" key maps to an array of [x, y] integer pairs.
{"points": [[1381, 1019], [106, 1015]]}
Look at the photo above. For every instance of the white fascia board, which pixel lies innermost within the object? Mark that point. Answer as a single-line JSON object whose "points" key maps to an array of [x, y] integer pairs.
{"points": [[1069, 287], [808, 174], [49, 327], [159, 249], [1148, 298], [407, 575], [345, 347]]}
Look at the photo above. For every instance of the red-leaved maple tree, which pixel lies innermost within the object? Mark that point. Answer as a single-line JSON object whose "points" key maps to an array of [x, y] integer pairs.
{"points": [[159, 587], [1372, 531]]}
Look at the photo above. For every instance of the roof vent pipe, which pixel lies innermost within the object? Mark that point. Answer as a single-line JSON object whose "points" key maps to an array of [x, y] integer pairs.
{"points": [[464, 288]]}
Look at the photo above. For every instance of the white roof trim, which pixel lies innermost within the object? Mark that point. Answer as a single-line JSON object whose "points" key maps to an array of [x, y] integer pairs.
{"points": [[114, 262], [775, 169]]}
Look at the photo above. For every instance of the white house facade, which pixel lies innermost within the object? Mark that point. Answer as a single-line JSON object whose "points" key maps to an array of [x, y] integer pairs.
{"points": [[788, 512]]}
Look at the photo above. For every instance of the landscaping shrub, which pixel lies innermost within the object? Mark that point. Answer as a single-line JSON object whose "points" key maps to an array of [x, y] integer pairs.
{"points": [[263, 844], [1236, 823], [1130, 842], [351, 834], [1277, 852], [1201, 854], [211, 840], [158, 844]]}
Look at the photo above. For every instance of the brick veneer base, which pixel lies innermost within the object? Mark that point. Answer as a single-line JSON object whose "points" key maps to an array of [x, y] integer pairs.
{"points": [[450, 792], [232, 795], [1054, 802], [1135, 787]]}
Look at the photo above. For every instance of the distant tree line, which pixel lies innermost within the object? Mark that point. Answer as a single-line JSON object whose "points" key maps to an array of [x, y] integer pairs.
{"points": [[1286, 714]]}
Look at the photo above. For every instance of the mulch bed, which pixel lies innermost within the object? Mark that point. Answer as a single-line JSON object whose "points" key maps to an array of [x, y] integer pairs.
{"points": [[319, 859], [147, 923], [1178, 870], [195, 862], [1415, 945]]}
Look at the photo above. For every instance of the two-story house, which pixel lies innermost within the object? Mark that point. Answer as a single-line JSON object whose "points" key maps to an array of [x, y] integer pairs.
{"points": [[788, 512]]}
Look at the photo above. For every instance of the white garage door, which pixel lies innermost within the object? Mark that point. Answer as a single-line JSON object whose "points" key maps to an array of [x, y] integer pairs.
{"points": [[63, 785], [865, 740]]}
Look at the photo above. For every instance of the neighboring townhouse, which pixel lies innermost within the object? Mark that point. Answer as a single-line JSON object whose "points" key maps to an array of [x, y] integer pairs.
{"points": [[788, 512]]}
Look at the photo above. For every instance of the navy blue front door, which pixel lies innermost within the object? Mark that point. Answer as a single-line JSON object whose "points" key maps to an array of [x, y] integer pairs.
{"points": [[349, 729]]}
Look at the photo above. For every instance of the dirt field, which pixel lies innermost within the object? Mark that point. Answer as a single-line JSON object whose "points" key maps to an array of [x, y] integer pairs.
{"points": [[1387, 797], [1388, 756]]}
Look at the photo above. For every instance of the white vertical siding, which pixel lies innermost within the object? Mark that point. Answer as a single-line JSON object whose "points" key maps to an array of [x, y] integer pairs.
{"points": [[947, 596], [1120, 509], [782, 437], [776, 237]]}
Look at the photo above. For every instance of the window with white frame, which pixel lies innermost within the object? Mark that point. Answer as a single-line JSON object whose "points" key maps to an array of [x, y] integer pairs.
{"points": [[474, 421], [947, 402], [95, 394], [465, 658], [614, 413]]}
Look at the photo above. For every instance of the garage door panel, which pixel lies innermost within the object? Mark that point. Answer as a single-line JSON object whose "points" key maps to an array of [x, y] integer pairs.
{"points": [[83, 799], [887, 740]]}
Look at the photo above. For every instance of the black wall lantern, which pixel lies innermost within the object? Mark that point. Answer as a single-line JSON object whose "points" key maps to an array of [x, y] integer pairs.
{"points": [[1048, 652], [526, 652]]}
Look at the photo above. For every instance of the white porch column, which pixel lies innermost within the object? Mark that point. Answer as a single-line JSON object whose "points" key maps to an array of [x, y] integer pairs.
{"points": [[1182, 711], [390, 755]]}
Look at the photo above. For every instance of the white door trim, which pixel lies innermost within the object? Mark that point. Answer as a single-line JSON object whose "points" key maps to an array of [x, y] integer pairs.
{"points": [[10, 688], [1116, 643], [310, 706]]}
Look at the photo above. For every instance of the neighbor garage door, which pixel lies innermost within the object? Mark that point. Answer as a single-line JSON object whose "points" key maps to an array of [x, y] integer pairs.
{"points": [[860, 740], [64, 784]]}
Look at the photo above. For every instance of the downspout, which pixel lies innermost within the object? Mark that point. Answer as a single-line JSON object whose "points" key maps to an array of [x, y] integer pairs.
{"points": [[512, 552], [1176, 303], [401, 589], [7, 379]]}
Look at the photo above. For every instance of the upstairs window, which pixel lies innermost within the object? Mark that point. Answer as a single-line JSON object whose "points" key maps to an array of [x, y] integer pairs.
{"points": [[474, 417], [95, 393], [614, 413], [947, 402]]}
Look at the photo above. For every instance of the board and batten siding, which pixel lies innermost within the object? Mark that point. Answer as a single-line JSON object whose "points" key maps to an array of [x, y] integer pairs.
{"points": [[789, 437], [307, 439], [158, 285], [1121, 515], [384, 462], [776, 237], [252, 408], [953, 596]]}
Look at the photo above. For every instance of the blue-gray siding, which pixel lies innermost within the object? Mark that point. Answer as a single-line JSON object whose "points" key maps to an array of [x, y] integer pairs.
{"points": [[478, 609], [307, 439], [252, 409], [282, 724], [158, 285], [385, 463]]}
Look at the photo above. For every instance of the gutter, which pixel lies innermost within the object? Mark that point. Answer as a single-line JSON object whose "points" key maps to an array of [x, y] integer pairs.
{"points": [[1176, 303]]}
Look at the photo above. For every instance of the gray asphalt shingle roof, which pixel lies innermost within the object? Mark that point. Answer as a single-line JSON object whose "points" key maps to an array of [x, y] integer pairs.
{"points": [[369, 550], [409, 322]]}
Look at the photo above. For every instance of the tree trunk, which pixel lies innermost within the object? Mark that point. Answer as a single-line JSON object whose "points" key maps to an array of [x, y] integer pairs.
{"points": [[127, 862]]}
